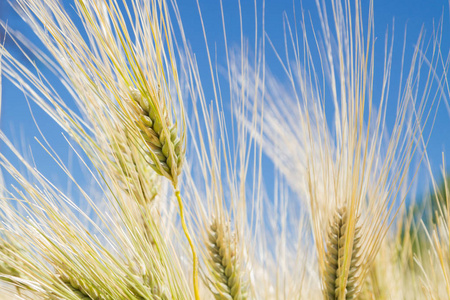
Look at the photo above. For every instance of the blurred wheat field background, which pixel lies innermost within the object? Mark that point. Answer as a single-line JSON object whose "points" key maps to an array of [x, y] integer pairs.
{"points": [[305, 164]]}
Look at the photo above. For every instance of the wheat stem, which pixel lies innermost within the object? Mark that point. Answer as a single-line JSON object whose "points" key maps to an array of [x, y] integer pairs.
{"points": [[194, 254]]}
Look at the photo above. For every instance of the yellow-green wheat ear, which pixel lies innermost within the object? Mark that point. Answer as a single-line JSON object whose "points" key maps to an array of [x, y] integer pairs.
{"points": [[166, 152], [5, 267], [153, 288], [166, 149], [8, 272], [334, 267], [130, 168], [79, 286], [227, 278]]}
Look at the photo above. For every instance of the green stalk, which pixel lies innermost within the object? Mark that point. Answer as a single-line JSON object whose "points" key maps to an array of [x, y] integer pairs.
{"points": [[194, 254]]}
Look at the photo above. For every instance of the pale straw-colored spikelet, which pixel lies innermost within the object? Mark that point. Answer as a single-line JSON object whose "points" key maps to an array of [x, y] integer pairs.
{"points": [[79, 286], [153, 287], [134, 175], [335, 258], [5, 255], [148, 278], [165, 147], [10, 268], [227, 279], [98, 65]]}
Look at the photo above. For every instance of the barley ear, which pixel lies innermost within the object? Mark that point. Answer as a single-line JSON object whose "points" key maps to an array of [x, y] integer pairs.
{"points": [[226, 271], [5, 267], [156, 290], [134, 175], [165, 148], [10, 267], [335, 259], [79, 286]]}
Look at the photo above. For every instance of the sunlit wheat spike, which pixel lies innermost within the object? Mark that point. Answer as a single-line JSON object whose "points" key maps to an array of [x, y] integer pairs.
{"points": [[157, 290], [79, 286], [334, 258], [135, 176], [165, 147], [5, 255], [10, 267], [165, 151], [225, 266]]}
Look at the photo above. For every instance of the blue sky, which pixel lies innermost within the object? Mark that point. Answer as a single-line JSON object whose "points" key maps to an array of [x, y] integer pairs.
{"points": [[17, 123]]}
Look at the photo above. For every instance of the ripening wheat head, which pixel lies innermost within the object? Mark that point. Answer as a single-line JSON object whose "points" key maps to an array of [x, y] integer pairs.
{"points": [[352, 170], [359, 172]]}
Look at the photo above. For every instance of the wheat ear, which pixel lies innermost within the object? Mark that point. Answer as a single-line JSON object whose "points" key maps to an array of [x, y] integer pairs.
{"points": [[5, 267], [9, 271], [226, 270], [166, 151], [131, 171], [153, 288], [135, 177], [334, 268], [80, 287]]}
